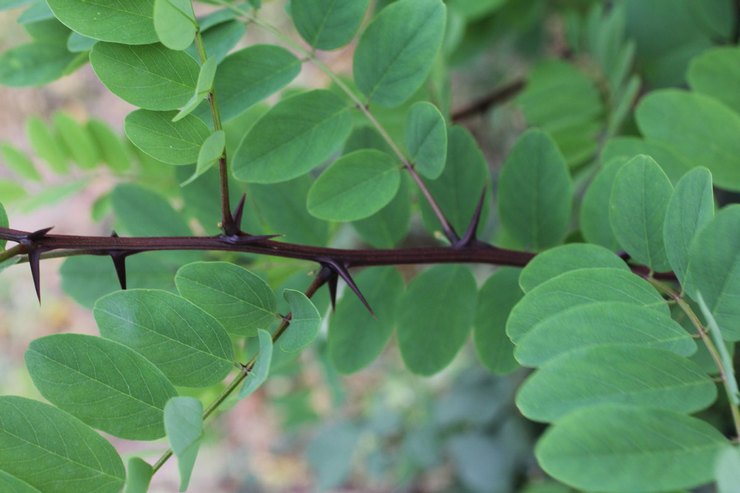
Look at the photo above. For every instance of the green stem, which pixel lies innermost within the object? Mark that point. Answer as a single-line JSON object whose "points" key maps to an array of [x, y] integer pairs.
{"points": [[11, 252]]}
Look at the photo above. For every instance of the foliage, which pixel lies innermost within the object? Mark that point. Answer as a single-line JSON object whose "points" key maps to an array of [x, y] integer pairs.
{"points": [[617, 273]]}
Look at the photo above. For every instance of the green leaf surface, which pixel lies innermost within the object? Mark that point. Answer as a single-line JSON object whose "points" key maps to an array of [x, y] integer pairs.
{"points": [[727, 470], [139, 475], [250, 75], [635, 376], [397, 50], [328, 24], [190, 347], [258, 373], [77, 140], [426, 139], [579, 287], [183, 420], [551, 263], [103, 383], [11, 484], [690, 209], [143, 212], [356, 338], [716, 73], [171, 142], [240, 300], [435, 315], [714, 269], [388, 227], [534, 192], [104, 21], [675, 165], [45, 145], [686, 122], [220, 39], [54, 452], [305, 322], [459, 187], [110, 145], [594, 212], [204, 85], [600, 324], [356, 186], [77, 43], [626, 449], [637, 210], [295, 136], [34, 64], [174, 23], [19, 162], [151, 76], [208, 155], [496, 298]]}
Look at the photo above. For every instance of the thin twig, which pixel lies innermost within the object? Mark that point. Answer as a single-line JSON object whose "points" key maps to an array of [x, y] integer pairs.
{"points": [[498, 96]]}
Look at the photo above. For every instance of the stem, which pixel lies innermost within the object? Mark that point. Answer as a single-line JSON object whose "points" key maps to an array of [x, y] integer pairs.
{"points": [[227, 220], [500, 95], [12, 252], [318, 281], [711, 348], [310, 56]]}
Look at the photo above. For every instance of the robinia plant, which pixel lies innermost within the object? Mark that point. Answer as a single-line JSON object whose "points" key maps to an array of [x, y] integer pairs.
{"points": [[609, 223]]}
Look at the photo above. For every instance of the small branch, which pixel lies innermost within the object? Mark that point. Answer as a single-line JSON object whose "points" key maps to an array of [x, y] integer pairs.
{"points": [[12, 252], [500, 95]]}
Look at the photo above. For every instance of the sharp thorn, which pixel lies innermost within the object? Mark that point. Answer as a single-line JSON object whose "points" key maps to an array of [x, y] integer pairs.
{"points": [[469, 238], [333, 279], [34, 261], [38, 234], [239, 212], [114, 234], [119, 263], [342, 271]]}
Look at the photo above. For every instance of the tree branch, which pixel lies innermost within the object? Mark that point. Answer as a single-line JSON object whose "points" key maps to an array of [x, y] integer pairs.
{"points": [[500, 95]]}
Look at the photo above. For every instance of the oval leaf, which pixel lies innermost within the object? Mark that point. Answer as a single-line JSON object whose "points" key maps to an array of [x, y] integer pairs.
{"points": [[627, 449], [355, 187], [397, 50], [295, 136], [716, 73], [11, 484], [261, 369], [183, 420], [54, 452], [139, 476], [19, 162], [426, 139], [594, 213], [174, 23], [210, 152], [34, 64], [104, 20], [636, 376], [104, 384], [151, 77], [157, 135], [304, 322], [434, 317], [190, 347], [237, 298], [328, 24]]}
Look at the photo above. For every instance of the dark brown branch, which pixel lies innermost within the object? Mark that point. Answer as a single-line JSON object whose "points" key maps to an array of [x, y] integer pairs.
{"points": [[500, 95]]}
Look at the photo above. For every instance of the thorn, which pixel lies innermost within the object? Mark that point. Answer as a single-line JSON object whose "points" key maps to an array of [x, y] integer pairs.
{"points": [[245, 238], [119, 263], [114, 234], [38, 234], [341, 270], [333, 279], [469, 238], [238, 213], [34, 261]]}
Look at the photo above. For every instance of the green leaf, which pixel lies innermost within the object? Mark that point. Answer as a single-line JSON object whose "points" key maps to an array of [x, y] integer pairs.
{"points": [[19, 162], [183, 420], [104, 21], [627, 449], [397, 50], [686, 122], [34, 64], [258, 373], [240, 300], [728, 470], [3, 224], [551, 263], [496, 299], [53, 195], [295, 136], [151, 77], [77, 140], [210, 152], [305, 322], [174, 23], [204, 85], [110, 146], [11, 484], [356, 338], [283, 207], [690, 209], [250, 75], [426, 139], [618, 323], [674, 165], [139, 476], [534, 193], [54, 452], [714, 269], [356, 186], [635, 376], [146, 213], [45, 145], [716, 73], [458, 188], [435, 315], [594, 213], [637, 209], [388, 227], [727, 370], [77, 43], [190, 347], [103, 383], [579, 287], [328, 24], [219, 40], [155, 133]]}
